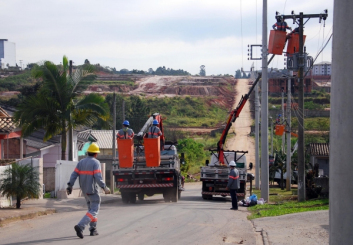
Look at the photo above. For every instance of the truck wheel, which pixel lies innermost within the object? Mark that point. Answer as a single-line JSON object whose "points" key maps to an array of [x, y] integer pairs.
{"points": [[132, 198], [141, 196], [125, 197], [174, 194], [207, 197], [166, 196]]}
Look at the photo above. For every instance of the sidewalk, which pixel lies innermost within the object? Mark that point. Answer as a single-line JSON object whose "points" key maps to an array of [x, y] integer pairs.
{"points": [[35, 207]]}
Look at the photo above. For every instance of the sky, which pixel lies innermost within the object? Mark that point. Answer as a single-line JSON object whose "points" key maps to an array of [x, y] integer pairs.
{"points": [[143, 34]]}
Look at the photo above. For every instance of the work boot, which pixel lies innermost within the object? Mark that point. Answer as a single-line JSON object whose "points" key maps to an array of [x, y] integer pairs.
{"points": [[94, 233], [78, 231]]}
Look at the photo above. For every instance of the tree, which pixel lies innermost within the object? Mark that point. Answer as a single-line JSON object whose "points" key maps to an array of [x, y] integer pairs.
{"points": [[238, 74], [202, 71], [58, 105], [20, 181]]}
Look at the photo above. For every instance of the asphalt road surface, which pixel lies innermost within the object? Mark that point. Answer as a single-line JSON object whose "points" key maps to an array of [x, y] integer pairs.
{"points": [[191, 220]]}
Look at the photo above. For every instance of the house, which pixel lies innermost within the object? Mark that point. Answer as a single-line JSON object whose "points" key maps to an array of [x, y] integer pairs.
{"points": [[9, 131], [322, 86], [278, 80], [320, 154]]}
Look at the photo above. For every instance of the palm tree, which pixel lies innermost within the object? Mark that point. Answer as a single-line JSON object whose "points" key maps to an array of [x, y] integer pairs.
{"points": [[58, 105], [20, 181]]}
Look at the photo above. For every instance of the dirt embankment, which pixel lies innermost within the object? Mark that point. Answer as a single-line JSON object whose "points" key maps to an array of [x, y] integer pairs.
{"points": [[219, 89]]}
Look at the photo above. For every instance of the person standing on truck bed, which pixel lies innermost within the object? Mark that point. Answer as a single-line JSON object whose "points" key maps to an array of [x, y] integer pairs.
{"points": [[125, 132], [233, 184], [89, 172], [154, 131]]}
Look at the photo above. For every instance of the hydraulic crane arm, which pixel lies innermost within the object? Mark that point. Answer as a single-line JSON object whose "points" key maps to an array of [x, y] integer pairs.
{"points": [[232, 117]]}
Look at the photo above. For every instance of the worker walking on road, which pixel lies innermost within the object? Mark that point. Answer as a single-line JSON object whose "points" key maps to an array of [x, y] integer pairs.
{"points": [[233, 184], [125, 132], [89, 172], [154, 131]]}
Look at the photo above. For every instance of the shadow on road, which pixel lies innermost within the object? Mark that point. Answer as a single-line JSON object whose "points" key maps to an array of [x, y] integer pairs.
{"points": [[45, 241]]}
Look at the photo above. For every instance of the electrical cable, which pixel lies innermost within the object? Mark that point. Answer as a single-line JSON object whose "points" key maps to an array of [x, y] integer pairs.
{"points": [[318, 55]]}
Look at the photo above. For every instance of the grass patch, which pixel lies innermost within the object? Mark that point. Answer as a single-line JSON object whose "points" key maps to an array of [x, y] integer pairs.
{"points": [[283, 202]]}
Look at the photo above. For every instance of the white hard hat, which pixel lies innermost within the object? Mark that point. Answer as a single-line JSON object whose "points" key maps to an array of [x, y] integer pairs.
{"points": [[232, 164]]}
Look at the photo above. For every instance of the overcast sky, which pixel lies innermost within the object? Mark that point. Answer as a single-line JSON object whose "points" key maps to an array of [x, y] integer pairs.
{"points": [[142, 34]]}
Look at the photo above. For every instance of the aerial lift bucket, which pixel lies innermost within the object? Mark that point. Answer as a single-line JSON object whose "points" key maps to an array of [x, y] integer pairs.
{"points": [[125, 152], [279, 130], [276, 42], [152, 151], [293, 43]]}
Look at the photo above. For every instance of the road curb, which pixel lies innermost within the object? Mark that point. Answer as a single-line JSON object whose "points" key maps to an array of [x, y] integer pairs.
{"points": [[31, 215]]}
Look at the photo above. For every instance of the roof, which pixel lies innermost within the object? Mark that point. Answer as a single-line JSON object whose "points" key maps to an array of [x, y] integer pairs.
{"points": [[323, 63], [7, 125], [323, 84], [35, 140], [319, 149], [104, 138]]}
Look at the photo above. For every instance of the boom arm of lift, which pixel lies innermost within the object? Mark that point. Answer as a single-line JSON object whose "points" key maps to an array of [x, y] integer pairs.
{"points": [[232, 117]]}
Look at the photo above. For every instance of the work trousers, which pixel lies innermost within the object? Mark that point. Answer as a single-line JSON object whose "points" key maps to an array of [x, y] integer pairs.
{"points": [[233, 194], [93, 203]]}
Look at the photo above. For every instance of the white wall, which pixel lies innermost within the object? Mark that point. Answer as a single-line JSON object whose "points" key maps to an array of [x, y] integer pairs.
{"points": [[38, 164], [63, 171], [4, 202]]}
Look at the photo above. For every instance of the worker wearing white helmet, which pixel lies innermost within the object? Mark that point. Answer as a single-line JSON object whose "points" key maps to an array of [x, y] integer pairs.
{"points": [[90, 177], [233, 184]]}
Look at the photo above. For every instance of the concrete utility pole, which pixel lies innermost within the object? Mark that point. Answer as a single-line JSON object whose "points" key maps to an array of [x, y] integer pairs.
{"points": [[71, 133], [114, 128], [289, 159], [301, 63], [264, 109], [114, 145], [271, 125], [257, 117], [123, 110], [341, 129], [283, 135]]}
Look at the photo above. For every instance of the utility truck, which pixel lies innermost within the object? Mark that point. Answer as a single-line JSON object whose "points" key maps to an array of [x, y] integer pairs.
{"points": [[151, 166], [214, 175]]}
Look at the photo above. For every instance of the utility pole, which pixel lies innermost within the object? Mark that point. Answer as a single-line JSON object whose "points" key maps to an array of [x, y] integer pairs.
{"points": [[341, 130], [299, 19], [271, 125], [123, 110], [264, 109], [114, 145], [257, 160], [283, 135], [114, 127], [289, 159], [71, 133]]}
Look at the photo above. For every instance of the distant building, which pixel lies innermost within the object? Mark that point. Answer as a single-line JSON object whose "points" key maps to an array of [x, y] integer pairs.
{"points": [[7, 54], [322, 68]]}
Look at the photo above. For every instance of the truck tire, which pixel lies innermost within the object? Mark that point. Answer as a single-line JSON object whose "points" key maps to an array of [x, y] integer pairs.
{"points": [[174, 194], [125, 197], [132, 197], [207, 197], [141, 196], [166, 196]]}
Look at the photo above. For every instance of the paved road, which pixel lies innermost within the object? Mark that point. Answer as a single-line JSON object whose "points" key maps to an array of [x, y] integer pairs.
{"points": [[190, 221]]}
